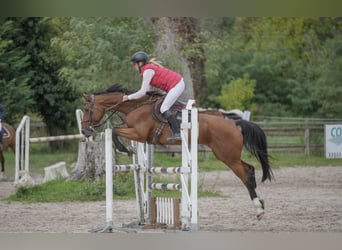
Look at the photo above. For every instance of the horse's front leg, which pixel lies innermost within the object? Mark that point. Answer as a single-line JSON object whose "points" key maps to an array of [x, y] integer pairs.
{"points": [[128, 133], [119, 145]]}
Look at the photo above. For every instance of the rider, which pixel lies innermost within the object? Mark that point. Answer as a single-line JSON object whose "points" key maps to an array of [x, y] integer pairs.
{"points": [[155, 75], [2, 116]]}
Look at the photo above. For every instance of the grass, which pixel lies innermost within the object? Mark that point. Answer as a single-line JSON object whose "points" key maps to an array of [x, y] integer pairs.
{"points": [[61, 190]]}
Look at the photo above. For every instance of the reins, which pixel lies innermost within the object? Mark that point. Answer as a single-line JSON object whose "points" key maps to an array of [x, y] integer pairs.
{"points": [[93, 106], [113, 111]]}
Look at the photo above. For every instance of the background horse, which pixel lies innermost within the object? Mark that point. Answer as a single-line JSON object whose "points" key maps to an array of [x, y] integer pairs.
{"points": [[225, 137], [8, 140]]}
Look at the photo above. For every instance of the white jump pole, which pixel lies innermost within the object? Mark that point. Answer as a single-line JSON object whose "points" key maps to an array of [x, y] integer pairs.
{"points": [[194, 168], [22, 147], [109, 179], [189, 165]]}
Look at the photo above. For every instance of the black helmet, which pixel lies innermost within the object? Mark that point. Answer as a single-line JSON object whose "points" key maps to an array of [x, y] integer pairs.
{"points": [[139, 57]]}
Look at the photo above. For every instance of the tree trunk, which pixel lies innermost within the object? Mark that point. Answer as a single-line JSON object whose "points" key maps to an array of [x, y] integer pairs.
{"points": [[172, 36], [167, 50], [90, 162]]}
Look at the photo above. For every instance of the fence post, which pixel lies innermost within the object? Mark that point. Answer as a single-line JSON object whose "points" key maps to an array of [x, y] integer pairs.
{"points": [[306, 138]]}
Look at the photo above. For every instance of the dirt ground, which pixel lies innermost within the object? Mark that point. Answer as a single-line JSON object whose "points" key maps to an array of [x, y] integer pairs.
{"points": [[301, 199]]}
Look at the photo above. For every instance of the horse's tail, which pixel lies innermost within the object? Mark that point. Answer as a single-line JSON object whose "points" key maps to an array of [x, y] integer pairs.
{"points": [[254, 140]]}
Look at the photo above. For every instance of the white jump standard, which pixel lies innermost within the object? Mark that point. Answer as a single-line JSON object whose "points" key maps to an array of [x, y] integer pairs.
{"points": [[166, 209]]}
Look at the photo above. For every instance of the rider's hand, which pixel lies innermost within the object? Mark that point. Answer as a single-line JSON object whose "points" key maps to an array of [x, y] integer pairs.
{"points": [[125, 98]]}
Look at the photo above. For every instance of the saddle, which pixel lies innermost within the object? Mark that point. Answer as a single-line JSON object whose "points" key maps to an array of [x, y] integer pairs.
{"points": [[175, 110]]}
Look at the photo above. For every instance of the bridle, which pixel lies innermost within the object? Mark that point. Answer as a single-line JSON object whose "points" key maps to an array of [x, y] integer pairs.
{"points": [[90, 111], [93, 106]]}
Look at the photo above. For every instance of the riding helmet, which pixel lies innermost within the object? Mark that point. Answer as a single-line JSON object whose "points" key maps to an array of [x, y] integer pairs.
{"points": [[139, 56]]}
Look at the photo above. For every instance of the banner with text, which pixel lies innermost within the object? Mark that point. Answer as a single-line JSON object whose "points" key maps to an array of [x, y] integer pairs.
{"points": [[333, 140]]}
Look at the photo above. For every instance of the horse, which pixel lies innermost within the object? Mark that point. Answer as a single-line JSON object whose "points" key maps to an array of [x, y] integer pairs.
{"points": [[225, 137], [8, 140]]}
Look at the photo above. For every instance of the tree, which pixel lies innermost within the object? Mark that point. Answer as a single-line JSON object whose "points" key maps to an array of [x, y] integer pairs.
{"points": [[238, 94], [16, 93], [328, 89], [98, 51], [55, 99], [167, 50], [188, 30], [283, 55]]}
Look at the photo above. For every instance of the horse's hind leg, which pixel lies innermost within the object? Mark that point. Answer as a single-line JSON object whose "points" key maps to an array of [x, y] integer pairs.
{"points": [[250, 183], [246, 174]]}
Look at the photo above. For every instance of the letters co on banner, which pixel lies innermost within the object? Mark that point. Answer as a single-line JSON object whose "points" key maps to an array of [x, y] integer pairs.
{"points": [[333, 140]]}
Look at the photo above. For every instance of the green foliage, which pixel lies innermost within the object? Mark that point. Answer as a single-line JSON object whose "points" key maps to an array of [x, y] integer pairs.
{"points": [[16, 93], [290, 59], [328, 89], [98, 50], [45, 63], [54, 98], [238, 94]]}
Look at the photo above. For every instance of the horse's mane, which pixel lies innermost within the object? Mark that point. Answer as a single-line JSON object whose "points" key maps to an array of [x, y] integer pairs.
{"points": [[115, 88]]}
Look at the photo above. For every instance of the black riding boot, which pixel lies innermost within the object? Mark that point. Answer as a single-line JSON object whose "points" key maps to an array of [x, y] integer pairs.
{"points": [[173, 124], [1, 145]]}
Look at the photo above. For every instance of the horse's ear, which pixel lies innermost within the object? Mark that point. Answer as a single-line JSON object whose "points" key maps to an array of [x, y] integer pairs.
{"points": [[86, 96]]}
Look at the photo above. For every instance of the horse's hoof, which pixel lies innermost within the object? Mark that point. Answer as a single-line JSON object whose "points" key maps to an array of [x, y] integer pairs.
{"points": [[261, 215], [262, 203]]}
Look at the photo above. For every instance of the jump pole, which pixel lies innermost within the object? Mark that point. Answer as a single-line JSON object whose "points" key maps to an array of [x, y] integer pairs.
{"points": [[189, 165], [109, 180]]}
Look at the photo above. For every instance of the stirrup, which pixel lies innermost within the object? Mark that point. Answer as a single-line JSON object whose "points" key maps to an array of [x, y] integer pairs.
{"points": [[174, 137]]}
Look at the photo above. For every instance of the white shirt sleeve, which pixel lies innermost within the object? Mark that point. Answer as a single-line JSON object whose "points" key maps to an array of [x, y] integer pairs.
{"points": [[145, 86]]}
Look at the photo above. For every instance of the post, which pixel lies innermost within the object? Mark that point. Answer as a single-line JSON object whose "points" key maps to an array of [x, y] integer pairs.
{"points": [[194, 167], [185, 213], [149, 178], [138, 159], [22, 145], [109, 179], [306, 138]]}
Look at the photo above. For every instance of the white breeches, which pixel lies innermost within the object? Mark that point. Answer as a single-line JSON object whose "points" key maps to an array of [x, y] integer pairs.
{"points": [[172, 96]]}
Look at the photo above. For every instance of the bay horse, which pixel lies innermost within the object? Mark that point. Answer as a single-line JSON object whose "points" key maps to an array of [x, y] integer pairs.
{"points": [[225, 137], [8, 140]]}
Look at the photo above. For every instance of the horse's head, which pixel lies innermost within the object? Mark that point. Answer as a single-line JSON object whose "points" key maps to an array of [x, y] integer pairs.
{"points": [[92, 115], [97, 104]]}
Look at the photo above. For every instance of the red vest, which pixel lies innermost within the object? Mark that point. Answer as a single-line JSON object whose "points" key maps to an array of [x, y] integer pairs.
{"points": [[163, 78]]}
